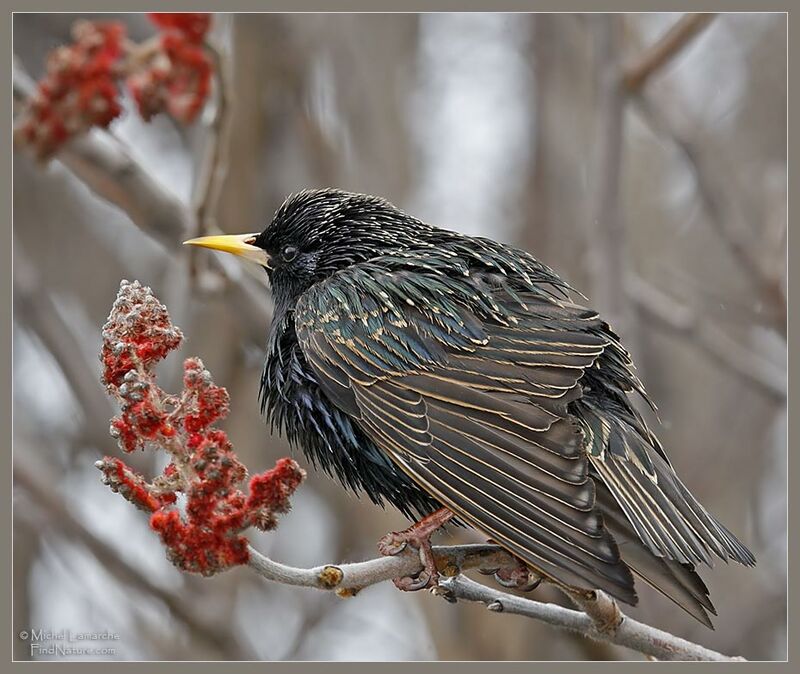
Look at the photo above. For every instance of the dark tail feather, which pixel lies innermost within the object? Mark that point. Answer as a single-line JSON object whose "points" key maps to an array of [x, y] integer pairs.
{"points": [[678, 582]]}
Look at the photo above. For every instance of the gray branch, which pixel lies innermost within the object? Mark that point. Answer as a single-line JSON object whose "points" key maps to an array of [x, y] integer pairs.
{"points": [[358, 575], [600, 617], [607, 236], [672, 43], [629, 632]]}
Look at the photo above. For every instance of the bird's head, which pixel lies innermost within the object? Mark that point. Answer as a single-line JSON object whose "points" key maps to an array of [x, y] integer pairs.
{"points": [[316, 233]]}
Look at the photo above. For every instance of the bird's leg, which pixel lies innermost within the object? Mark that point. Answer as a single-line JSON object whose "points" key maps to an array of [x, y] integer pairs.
{"points": [[418, 535]]}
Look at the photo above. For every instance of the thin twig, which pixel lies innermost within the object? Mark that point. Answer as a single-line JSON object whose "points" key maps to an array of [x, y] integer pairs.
{"points": [[213, 167], [665, 49], [600, 618]]}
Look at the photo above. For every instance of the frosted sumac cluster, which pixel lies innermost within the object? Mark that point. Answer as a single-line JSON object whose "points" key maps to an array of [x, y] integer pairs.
{"points": [[206, 535]]}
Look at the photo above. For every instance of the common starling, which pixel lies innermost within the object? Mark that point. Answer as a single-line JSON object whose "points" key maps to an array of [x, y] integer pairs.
{"points": [[456, 375]]}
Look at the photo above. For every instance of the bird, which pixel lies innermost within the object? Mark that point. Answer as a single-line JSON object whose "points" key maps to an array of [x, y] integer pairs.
{"points": [[459, 378]]}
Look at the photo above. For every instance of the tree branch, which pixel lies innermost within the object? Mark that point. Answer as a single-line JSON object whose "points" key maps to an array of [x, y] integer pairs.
{"points": [[214, 165], [629, 632], [607, 236], [665, 49], [726, 220], [103, 163], [357, 575], [600, 617]]}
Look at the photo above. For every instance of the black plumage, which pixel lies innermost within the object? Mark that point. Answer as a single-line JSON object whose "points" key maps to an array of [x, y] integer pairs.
{"points": [[427, 368]]}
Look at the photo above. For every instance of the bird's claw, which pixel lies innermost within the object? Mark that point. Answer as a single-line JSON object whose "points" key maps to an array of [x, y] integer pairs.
{"points": [[392, 544], [414, 583], [418, 536], [395, 543], [518, 577]]}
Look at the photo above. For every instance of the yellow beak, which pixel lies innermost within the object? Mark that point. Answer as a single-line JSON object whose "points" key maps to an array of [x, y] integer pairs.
{"points": [[238, 244]]}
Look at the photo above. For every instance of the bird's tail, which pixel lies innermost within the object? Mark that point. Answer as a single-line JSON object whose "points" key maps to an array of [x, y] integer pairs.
{"points": [[678, 582], [628, 459]]}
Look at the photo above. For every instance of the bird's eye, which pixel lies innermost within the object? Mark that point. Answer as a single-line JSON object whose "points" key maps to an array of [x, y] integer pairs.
{"points": [[289, 253]]}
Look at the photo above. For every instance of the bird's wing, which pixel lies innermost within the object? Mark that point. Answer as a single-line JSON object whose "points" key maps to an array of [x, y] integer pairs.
{"points": [[465, 386]]}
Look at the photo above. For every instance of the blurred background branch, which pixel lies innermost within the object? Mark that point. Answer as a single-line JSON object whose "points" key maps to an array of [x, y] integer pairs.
{"points": [[213, 167], [752, 368], [664, 50], [106, 166], [608, 240], [723, 214]]}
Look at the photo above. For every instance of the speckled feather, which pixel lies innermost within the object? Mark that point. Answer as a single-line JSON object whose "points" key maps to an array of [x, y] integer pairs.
{"points": [[423, 367]]}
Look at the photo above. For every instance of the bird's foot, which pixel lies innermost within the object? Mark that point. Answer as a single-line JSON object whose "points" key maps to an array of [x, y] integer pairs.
{"points": [[418, 536], [520, 577]]}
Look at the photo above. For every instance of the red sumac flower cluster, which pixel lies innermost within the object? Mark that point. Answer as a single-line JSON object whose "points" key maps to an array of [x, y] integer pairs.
{"points": [[206, 535]]}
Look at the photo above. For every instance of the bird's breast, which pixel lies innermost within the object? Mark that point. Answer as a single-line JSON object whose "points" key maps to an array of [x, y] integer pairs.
{"points": [[296, 407]]}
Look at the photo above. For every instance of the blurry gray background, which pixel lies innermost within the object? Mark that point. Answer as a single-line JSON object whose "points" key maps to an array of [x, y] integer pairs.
{"points": [[501, 125]]}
